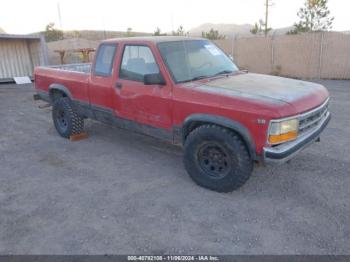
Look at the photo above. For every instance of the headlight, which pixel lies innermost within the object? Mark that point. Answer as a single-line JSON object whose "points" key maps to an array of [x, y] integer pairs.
{"points": [[283, 131]]}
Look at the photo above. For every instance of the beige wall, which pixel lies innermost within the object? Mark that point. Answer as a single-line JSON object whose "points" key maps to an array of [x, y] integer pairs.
{"points": [[336, 56], [313, 55], [69, 44]]}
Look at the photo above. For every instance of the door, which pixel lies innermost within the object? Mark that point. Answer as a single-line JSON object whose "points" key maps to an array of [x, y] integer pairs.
{"points": [[101, 88], [149, 105]]}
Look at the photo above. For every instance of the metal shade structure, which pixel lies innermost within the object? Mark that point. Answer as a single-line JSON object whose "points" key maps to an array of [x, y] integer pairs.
{"points": [[19, 54]]}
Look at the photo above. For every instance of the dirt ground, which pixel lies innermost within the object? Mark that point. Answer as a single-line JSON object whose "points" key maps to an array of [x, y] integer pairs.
{"points": [[123, 193]]}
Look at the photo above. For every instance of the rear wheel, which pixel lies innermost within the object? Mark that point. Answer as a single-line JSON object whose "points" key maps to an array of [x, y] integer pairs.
{"points": [[217, 158], [67, 122]]}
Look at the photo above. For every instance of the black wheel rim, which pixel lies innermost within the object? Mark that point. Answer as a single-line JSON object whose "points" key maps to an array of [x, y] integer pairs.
{"points": [[214, 160], [61, 120]]}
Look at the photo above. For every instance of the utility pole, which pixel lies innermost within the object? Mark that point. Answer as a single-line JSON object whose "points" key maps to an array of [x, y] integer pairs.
{"points": [[267, 5], [59, 14]]}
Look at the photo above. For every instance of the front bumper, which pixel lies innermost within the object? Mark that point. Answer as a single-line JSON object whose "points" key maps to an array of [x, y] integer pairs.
{"points": [[284, 152]]}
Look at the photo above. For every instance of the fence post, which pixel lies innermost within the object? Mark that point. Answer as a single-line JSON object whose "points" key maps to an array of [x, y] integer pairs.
{"points": [[272, 52], [232, 45], [320, 57]]}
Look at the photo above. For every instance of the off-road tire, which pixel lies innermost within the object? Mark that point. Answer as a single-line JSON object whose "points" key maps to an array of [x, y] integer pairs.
{"points": [[207, 166], [66, 120]]}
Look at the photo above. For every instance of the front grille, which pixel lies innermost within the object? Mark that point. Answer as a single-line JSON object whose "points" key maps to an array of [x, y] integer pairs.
{"points": [[311, 119]]}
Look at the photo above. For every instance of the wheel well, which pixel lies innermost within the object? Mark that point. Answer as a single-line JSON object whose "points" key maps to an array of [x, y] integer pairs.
{"points": [[195, 124], [55, 94], [192, 126]]}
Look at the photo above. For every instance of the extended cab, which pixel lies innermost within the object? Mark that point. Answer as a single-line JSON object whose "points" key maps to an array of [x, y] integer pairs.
{"points": [[188, 92]]}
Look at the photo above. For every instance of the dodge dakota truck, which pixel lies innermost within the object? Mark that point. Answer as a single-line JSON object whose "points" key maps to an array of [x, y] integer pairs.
{"points": [[189, 92]]}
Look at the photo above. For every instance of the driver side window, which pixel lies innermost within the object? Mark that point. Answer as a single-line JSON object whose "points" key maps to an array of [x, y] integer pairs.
{"points": [[137, 61]]}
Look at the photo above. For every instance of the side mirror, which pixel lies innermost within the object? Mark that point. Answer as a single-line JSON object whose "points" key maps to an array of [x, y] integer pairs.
{"points": [[153, 79]]}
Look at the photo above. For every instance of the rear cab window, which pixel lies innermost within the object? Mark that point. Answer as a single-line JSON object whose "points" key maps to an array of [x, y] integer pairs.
{"points": [[105, 60]]}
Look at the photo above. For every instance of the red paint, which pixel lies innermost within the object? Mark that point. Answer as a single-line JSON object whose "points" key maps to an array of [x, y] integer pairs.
{"points": [[169, 105]]}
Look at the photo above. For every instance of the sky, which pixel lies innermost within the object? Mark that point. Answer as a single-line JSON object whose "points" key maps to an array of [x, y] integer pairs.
{"points": [[28, 16]]}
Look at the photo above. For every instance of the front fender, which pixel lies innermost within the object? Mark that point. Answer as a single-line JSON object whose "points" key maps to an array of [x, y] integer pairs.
{"points": [[224, 122]]}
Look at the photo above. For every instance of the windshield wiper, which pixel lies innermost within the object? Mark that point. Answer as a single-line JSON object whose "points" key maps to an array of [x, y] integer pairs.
{"points": [[194, 79], [207, 76], [223, 72], [199, 78]]}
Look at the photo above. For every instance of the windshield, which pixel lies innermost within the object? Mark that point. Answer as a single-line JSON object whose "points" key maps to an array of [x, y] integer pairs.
{"points": [[191, 60]]}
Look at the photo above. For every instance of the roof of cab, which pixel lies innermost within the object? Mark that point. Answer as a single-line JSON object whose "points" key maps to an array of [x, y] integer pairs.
{"points": [[153, 39]]}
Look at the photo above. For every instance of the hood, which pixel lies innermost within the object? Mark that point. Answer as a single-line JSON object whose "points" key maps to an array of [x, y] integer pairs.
{"points": [[301, 95]]}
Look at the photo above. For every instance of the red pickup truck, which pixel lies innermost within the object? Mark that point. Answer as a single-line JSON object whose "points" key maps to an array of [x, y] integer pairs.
{"points": [[188, 92]]}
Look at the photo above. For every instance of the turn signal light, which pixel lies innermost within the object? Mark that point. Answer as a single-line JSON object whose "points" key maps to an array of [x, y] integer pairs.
{"points": [[277, 139]]}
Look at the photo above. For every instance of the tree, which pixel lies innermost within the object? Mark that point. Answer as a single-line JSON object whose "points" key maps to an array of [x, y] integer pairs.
{"points": [[213, 35], [258, 28], [158, 32], [180, 32], [314, 16], [52, 34]]}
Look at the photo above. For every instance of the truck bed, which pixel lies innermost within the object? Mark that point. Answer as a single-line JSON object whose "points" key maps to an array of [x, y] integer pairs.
{"points": [[82, 68], [74, 77]]}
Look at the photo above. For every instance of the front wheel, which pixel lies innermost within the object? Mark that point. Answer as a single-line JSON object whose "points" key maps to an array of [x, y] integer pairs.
{"points": [[217, 158], [67, 122]]}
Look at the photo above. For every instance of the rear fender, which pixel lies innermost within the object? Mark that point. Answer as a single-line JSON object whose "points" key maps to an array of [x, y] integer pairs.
{"points": [[60, 88]]}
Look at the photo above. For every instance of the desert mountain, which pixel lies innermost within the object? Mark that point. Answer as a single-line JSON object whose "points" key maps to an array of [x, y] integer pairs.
{"points": [[230, 30]]}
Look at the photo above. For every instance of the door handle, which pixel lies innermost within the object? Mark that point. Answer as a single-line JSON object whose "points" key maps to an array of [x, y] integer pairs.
{"points": [[118, 85]]}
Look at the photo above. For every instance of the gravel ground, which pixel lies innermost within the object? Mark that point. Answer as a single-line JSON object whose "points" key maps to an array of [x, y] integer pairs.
{"points": [[122, 193]]}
